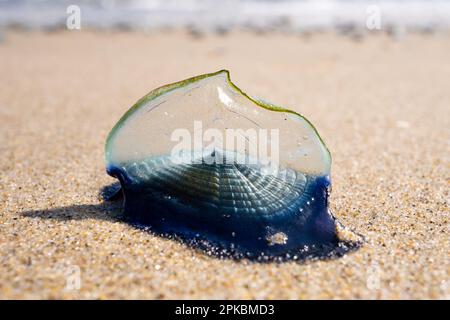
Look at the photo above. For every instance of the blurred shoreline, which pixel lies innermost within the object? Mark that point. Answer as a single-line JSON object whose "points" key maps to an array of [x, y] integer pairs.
{"points": [[351, 35], [395, 17]]}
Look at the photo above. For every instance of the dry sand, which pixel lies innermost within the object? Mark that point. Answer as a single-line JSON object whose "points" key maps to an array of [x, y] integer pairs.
{"points": [[381, 105]]}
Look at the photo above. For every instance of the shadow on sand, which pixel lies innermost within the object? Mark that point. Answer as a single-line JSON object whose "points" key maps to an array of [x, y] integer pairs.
{"points": [[111, 210]]}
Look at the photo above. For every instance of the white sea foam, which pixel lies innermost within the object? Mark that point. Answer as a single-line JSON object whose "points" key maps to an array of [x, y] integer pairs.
{"points": [[222, 15]]}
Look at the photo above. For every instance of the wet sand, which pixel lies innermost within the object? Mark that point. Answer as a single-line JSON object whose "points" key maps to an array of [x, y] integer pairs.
{"points": [[381, 105]]}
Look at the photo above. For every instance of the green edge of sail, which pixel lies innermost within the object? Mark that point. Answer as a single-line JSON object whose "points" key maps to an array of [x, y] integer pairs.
{"points": [[172, 86]]}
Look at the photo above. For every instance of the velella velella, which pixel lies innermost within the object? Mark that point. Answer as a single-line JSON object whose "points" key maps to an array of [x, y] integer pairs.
{"points": [[204, 161]]}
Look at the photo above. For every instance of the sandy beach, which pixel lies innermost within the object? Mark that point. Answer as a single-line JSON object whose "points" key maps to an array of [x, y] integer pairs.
{"points": [[382, 106]]}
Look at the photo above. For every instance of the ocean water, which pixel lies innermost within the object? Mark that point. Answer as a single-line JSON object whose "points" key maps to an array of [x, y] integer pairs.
{"points": [[223, 15]]}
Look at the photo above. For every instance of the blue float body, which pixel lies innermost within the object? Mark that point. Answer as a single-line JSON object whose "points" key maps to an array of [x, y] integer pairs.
{"points": [[306, 222]]}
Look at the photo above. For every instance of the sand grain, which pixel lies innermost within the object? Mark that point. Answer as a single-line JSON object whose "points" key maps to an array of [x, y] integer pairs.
{"points": [[382, 107]]}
